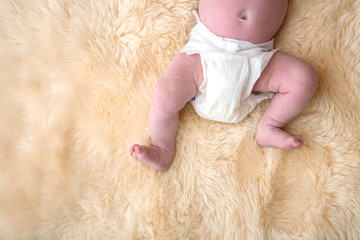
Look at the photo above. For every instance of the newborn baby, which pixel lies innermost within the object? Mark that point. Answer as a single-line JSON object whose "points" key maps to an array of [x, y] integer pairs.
{"points": [[228, 67]]}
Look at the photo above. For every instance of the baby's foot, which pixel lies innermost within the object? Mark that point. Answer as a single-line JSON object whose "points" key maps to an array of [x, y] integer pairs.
{"points": [[269, 136], [156, 157]]}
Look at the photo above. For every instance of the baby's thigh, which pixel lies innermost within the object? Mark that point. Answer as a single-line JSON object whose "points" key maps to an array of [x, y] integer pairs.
{"points": [[284, 72], [180, 82]]}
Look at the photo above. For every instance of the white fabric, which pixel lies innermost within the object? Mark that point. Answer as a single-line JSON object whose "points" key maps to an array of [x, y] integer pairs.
{"points": [[230, 68]]}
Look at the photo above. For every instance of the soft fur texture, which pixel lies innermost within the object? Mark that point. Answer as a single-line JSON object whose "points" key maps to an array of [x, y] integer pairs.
{"points": [[76, 79]]}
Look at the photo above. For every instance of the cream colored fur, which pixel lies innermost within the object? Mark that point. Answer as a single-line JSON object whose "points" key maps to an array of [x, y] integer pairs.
{"points": [[76, 79]]}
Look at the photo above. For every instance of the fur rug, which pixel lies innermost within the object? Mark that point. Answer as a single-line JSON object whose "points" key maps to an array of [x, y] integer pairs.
{"points": [[76, 79]]}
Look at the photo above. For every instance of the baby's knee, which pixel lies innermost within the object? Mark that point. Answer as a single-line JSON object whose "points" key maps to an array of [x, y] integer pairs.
{"points": [[164, 102], [304, 78], [311, 75]]}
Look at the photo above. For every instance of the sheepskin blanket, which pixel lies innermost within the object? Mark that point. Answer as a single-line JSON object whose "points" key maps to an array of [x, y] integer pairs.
{"points": [[76, 80]]}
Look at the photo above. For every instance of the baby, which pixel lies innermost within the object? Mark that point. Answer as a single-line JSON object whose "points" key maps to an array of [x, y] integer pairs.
{"points": [[228, 67]]}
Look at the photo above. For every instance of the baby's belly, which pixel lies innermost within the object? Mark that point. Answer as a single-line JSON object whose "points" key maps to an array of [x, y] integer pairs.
{"points": [[255, 21]]}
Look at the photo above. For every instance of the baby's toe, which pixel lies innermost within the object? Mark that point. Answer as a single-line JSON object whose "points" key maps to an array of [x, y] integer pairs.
{"points": [[296, 142], [132, 149], [139, 149]]}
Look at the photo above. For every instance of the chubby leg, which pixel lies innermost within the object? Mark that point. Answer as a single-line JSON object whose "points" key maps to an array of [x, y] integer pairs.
{"points": [[294, 82], [178, 85]]}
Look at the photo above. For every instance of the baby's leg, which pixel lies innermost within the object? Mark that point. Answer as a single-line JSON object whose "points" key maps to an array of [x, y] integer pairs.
{"points": [[178, 85], [294, 83]]}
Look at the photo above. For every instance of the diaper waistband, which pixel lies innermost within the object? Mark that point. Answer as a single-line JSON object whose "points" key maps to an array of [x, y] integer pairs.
{"points": [[227, 44]]}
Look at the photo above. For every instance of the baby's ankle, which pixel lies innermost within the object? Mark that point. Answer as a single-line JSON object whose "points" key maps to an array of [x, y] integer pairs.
{"points": [[164, 159]]}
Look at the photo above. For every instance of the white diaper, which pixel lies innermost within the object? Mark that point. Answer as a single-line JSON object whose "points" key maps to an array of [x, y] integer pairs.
{"points": [[230, 68]]}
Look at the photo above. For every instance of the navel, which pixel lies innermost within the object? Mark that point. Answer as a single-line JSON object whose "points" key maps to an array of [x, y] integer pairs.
{"points": [[243, 15]]}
